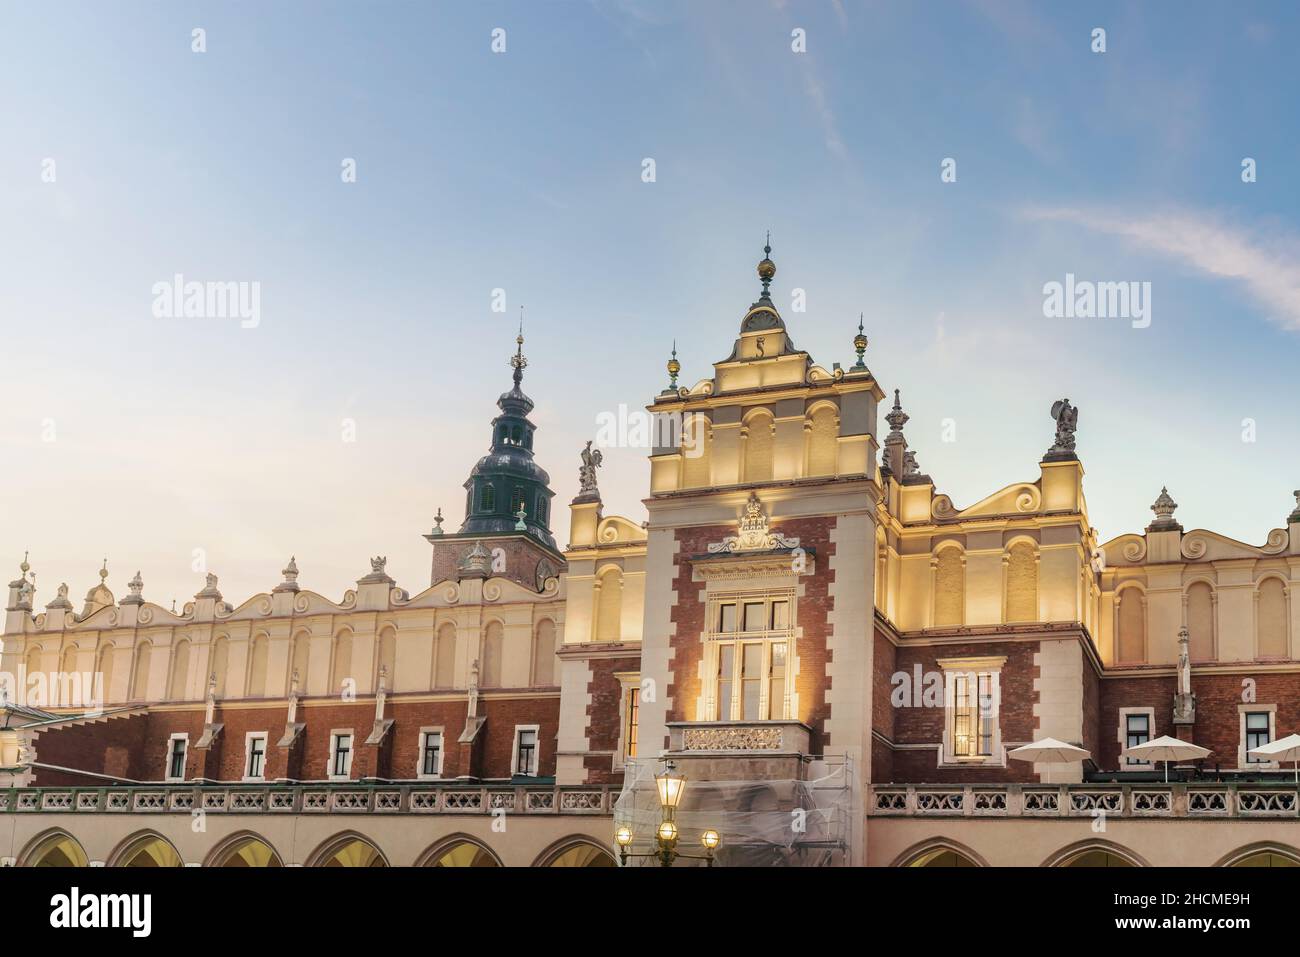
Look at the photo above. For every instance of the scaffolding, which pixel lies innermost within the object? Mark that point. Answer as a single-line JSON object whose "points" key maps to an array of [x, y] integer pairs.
{"points": [[763, 823]]}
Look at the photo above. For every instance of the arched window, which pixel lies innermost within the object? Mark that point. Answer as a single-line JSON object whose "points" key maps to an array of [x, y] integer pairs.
{"points": [[301, 657], [1200, 621], [759, 447], [220, 653], [140, 679], [180, 670], [256, 687], [387, 656], [1022, 583], [444, 656], [544, 654], [342, 670], [1271, 619], [823, 441], [33, 662], [541, 509], [949, 588], [488, 498], [1131, 648], [516, 502], [695, 452], [609, 607], [107, 664], [493, 649]]}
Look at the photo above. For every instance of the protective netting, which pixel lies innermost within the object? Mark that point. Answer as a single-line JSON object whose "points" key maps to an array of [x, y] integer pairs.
{"points": [[763, 823]]}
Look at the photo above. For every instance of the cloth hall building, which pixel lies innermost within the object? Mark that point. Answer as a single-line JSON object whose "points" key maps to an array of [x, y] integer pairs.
{"points": [[835, 655]]}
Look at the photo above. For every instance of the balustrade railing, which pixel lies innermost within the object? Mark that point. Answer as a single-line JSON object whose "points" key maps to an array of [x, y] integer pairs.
{"points": [[455, 798], [1084, 800]]}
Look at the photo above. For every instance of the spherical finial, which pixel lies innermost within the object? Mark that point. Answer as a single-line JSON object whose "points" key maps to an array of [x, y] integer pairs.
{"points": [[767, 268], [860, 340]]}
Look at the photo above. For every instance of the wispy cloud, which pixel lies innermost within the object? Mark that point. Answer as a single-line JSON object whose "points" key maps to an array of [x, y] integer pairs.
{"points": [[816, 94], [1266, 262]]}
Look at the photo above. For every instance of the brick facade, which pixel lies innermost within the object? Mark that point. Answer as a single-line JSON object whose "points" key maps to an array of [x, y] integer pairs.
{"points": [[814, 603]]}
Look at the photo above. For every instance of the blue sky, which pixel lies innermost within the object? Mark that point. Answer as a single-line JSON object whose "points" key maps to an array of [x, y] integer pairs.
{"points": [[144, 439]]}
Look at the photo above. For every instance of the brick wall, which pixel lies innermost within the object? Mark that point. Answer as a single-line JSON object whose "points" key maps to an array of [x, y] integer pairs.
{"points": [[1218, 701], [136, 747], [882, 712], [604, 726], [811, 683], [521, 558], [924, 725]]}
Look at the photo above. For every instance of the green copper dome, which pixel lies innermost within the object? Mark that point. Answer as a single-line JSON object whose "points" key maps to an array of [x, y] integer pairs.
{"points": [[507, 479]]}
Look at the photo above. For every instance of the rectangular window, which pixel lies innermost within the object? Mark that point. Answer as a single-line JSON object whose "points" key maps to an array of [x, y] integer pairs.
{"points": [[1137, 730], [972, 715], [341, 755], [526, 752], [750, 645], [631, 710], [752, 681], [726, 674], [176, 758], [431, 754], [255, 760], [1256, 734], [776, 696]]}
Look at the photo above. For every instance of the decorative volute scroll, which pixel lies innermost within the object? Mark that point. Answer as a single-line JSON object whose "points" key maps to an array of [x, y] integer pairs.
{"points": [[754, 533]]}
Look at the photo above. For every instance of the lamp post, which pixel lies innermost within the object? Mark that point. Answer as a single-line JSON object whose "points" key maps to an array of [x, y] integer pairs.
{"points": [[670, 785]]}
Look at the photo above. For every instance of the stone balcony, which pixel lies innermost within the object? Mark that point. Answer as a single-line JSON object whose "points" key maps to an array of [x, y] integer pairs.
{"points": [[740, 750], [1084, 800]]}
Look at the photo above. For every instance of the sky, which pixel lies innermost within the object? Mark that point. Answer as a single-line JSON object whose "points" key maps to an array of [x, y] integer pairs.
{"points": [[334, 425]]}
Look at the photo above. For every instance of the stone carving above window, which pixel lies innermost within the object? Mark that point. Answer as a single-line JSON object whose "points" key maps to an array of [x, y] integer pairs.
{"points": [[754, 533]]}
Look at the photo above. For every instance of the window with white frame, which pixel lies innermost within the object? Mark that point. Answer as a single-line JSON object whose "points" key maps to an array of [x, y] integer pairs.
{"points": [[340, 766], [1257, 728], [1136, 726], [430, 753], [255, 756], [972, 733], [177, 746], [525, 759], [749, 638], [629, 716]]}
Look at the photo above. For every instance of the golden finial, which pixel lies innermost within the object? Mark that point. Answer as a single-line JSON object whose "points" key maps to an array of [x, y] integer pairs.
{"points": [[860, 345], [674, 367], [767, 268]]}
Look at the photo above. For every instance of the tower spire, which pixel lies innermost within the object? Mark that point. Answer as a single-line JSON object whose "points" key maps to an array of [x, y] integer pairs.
{"points": [[518, 360]]}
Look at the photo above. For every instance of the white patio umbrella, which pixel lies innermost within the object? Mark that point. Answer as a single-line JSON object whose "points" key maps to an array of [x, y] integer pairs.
{"points": [[1165, 749], [1283, 749], [1050, 751]]}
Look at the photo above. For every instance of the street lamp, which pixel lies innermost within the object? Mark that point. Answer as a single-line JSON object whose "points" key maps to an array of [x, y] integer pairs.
{"points": [[671, 786]]}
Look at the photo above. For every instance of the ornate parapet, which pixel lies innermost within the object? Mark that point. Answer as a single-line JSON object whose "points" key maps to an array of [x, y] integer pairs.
{"points": [[748, 737]]}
